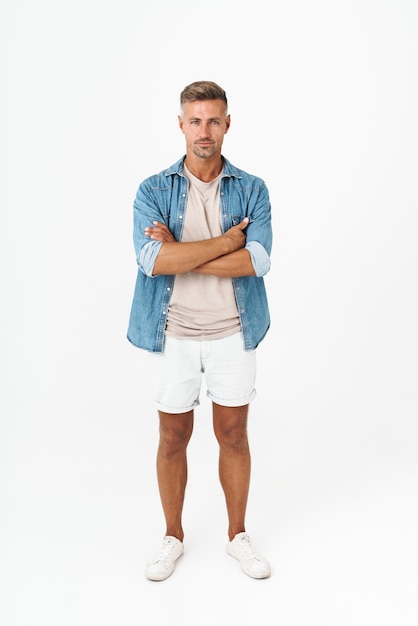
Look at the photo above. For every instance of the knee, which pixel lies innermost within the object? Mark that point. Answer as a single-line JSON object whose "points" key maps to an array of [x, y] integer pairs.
{"points": [[174, 438], [235, 438]]}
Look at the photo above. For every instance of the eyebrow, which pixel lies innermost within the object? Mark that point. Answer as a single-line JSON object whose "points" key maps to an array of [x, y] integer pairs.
{"points": [[211, 119]]}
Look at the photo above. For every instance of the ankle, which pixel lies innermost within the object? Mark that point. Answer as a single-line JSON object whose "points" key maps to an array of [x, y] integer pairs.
{"points": [[233, 532], [174, 532]]}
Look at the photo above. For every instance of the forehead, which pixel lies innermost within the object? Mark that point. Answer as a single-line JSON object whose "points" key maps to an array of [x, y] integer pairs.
{"points": [[203, 109]]}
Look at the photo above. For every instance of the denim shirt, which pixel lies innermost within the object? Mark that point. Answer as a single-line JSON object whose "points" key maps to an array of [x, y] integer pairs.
{"points": [[163, 198]]}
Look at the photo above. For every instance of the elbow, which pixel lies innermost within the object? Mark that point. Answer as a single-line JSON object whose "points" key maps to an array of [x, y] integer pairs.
{"points": [[147, 258], [260, 259]]}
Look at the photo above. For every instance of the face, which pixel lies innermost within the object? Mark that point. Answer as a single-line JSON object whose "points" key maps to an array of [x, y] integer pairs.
{"points": [[204, 125]]}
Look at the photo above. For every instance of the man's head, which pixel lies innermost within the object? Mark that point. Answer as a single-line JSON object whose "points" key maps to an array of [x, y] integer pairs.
{"points": [[202, 90], [204, 119]]}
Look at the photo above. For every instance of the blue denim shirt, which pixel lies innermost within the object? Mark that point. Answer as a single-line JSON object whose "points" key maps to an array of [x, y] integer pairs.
{"points": [[163, 198]]}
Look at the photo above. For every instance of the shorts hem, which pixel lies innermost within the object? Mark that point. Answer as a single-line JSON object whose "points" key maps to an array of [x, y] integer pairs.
{"points": [[237, 402], [175, 410]]}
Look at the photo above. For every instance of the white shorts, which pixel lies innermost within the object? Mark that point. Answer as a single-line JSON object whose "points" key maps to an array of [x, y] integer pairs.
{"points": [[229, 373]]}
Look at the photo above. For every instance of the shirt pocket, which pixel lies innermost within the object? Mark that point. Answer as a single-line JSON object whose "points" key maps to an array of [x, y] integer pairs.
{"points": [[237, 219]]}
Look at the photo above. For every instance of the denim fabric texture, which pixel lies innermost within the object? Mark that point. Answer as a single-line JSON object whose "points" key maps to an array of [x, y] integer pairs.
{"points": [[163, 198]]}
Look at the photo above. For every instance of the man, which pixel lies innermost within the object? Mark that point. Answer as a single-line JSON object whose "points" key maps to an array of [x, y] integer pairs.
{"points": [[202, 235]]}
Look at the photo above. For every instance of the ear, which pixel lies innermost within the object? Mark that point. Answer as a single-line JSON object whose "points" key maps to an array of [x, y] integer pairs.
{"points": [[228, 123], [180, 123]]}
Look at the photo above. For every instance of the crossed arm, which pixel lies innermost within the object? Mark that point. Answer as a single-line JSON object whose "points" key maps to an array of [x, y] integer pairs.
{"points": [[223, 256]]}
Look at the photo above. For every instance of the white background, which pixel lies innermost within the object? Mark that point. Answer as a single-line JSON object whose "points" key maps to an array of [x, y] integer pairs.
{"points": [[323, 98]]}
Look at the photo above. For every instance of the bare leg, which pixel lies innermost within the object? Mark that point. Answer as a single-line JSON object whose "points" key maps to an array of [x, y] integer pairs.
{"points": [[175, 433], [230, 427]]}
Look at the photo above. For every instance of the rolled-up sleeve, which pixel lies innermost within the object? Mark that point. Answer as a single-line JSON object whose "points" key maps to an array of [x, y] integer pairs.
{"points": [[147, 256], [259, 257]]}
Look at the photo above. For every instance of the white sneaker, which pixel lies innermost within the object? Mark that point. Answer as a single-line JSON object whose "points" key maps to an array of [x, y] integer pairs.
{"points": [[162, 566], [251, 563]]}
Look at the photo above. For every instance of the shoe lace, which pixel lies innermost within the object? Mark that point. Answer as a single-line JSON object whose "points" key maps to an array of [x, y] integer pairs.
{"points": [[248, 548], [165, 551]]}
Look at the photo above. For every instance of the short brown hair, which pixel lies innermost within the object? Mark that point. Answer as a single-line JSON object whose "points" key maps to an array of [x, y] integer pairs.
{"points": [[202, 90]]}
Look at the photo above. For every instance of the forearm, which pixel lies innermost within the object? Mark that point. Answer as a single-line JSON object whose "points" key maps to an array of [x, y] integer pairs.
{"points": [[179, 257], [231, 265]]}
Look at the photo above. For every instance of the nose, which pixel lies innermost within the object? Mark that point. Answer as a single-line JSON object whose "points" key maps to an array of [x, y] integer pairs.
{"points": [[204, 129]]}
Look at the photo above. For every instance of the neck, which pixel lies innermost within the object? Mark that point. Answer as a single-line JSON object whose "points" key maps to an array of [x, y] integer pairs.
{"points": [[204, 169]]}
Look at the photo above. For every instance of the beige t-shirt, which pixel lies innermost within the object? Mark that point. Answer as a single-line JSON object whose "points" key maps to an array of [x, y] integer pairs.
{"points": [[202, 306]]}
